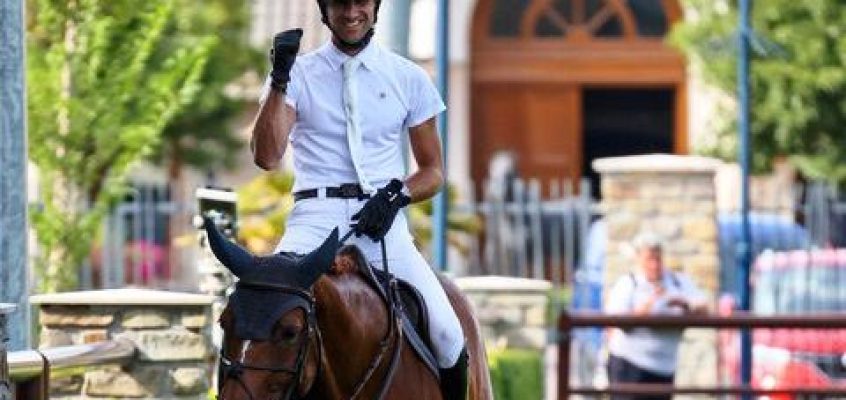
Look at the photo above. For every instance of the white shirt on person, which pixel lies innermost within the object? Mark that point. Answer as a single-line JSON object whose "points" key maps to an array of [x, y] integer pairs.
{"points": [[393, 94], [652, 349]]}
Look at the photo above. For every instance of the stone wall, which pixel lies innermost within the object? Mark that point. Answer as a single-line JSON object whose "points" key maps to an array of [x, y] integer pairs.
{"points": [[171, 332], [511, 311], [675, 198]]}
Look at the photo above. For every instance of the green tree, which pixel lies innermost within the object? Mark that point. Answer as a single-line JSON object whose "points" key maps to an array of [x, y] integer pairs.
{"points": [[201, 134], [263, 206], [798, 93], [97, 102]]}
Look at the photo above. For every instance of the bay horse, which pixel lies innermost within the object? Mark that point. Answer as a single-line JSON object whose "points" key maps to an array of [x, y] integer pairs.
{"points": [[315, 327]]}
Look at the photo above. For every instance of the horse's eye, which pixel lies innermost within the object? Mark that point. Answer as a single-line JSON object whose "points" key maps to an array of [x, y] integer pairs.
{"points": [[289, 334]]}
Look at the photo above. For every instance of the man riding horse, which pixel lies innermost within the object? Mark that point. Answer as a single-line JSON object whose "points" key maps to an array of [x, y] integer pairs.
{"points": [[344, 108], [327, 326]]}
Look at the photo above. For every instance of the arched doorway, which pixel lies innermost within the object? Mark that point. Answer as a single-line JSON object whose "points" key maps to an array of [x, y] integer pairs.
{"points": [[562, 82]]}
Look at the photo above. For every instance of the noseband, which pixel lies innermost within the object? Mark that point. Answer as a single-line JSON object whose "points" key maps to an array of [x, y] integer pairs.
{"points": [[233, 369]]}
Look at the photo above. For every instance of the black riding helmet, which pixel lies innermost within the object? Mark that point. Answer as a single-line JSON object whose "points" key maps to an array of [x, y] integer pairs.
{"points": [[324, 17]]}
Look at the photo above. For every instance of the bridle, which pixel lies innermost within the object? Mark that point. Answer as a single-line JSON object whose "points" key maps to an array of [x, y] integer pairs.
{"points": [[233, 369]]}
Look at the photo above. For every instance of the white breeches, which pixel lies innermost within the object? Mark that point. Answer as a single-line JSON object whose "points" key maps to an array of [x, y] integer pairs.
{"points": [[310, 223]]}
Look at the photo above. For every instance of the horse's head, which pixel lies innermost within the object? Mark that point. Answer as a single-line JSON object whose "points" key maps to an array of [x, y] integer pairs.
{"points": [[271, 341]]}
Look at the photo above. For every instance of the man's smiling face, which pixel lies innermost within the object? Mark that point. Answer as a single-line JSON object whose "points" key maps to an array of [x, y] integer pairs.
{"points": [[351, 19]]}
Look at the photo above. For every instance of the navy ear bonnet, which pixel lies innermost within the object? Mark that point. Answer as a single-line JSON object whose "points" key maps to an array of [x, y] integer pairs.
{"points": [[257, 309]]}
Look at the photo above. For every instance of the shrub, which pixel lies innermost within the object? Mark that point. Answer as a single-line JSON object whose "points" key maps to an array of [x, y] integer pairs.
{"points": [[516, 374]]}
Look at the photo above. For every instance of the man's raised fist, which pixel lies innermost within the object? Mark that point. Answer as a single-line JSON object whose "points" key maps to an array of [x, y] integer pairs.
{"points": [[283, 53]]}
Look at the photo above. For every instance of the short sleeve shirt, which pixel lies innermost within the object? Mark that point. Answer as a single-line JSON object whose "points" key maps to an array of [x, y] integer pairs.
{"points": [[393, 93], [651, 349]]}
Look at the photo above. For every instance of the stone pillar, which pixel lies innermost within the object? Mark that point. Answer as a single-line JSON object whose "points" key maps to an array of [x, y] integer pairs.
{"points": [[674, 197], [511, 311], [5, 384], [171, 332]]}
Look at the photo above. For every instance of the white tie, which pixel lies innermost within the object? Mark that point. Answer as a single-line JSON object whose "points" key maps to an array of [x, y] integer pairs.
{"points": [[350, 68]]}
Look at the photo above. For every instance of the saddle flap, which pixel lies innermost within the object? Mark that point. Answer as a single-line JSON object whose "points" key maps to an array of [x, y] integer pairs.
{"points": [[414, 314]]}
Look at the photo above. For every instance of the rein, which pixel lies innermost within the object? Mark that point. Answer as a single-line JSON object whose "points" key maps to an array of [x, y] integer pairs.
{"points": [[233, 369], [394, 329]]}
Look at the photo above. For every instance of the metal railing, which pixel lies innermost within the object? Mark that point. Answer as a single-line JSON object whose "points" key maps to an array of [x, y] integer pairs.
{"points": [[568, 321], [532, 229], [30, 371], [138, 240]]}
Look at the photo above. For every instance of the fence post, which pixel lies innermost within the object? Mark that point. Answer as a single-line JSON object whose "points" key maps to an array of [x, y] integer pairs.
{"points": [[5, 384], [474, 262], [565, 337], [568, 230], [535, 209], [517, 216], [37, 388], [556, 274]]}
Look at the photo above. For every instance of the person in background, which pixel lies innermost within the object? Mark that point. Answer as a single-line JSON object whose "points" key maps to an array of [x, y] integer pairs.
{"points": [[644, 355]]}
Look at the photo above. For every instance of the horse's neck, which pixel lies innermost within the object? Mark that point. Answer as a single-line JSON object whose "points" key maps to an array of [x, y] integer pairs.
{"points": [[352, 319]]}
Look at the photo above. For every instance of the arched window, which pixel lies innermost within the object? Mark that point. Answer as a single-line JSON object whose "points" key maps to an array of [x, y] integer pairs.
{"points": [[578, 19], [506, 16]]}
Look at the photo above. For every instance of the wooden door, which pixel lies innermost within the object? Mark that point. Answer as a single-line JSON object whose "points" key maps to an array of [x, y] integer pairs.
{"points": [[533, 60]]}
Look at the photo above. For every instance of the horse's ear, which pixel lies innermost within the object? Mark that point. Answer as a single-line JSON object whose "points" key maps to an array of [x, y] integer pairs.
{"points": [[232, 256], [319, 261]]}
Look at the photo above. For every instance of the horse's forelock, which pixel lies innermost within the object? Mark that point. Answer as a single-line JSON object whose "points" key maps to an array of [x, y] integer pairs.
{"points": [[350, 259]]}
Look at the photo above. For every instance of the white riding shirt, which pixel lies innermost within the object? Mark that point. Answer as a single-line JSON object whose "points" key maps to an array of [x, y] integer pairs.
{"points": [[392, 94]]}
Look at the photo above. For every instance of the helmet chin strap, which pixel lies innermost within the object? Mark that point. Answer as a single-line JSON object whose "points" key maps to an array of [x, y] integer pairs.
{"points": [[352, 46]]}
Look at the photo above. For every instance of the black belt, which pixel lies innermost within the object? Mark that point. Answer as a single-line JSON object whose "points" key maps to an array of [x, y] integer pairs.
{"points": [[345, 191]]}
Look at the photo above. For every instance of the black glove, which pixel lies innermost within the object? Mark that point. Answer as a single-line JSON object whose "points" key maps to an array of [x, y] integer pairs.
{"points": [[377, 215], [283, 53]]}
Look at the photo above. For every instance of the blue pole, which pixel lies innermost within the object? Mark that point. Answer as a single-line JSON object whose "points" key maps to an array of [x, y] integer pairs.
{"points": [[439, 213], [392, 31], [394, 17], [14, 276], [744, 252]]}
